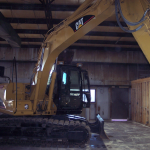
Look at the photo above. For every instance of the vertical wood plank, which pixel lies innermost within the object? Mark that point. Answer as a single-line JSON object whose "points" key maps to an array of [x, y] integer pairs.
{"points": [[144, 103], [132, 104], [143, 96], [140, 102], [145, 109], [147, 103], [136, 104]]}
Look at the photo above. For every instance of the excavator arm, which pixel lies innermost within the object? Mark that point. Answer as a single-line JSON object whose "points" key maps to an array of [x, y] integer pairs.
{"points": [[70, 30], [133, 10], [82, 21]]}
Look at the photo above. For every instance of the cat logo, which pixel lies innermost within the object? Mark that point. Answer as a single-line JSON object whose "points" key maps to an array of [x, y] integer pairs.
{"points": [[79, 24]]}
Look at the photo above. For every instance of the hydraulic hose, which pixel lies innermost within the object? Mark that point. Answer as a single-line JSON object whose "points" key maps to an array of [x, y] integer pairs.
{"points": [[128, 22], [118, 21]]}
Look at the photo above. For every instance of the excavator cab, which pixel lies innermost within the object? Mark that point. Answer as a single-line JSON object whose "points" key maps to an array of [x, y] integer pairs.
{"points": [[72, 94], [71, 90]]}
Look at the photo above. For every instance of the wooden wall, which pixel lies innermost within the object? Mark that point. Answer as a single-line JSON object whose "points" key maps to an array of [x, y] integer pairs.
{"points": [[140, 101]]}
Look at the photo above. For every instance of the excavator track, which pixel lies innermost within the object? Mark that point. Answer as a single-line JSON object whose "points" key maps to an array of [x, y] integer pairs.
{"points": [[43, 132]]}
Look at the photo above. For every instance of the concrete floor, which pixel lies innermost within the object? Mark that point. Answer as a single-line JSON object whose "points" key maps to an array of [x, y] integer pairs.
{"points": [[123, 136], [127, 136]]}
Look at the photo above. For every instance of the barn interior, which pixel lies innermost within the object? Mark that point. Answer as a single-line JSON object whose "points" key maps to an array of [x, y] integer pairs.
{"points": [[111, 56]]}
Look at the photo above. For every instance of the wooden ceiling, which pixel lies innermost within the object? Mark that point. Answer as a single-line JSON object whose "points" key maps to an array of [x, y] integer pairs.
{"points": [[27, 17]]}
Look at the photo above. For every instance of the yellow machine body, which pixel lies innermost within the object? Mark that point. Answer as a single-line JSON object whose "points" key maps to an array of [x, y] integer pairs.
{"points": [[62, 37]]}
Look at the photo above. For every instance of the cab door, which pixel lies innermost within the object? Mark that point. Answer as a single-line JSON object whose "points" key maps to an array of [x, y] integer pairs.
{"points": [[85, 89]]}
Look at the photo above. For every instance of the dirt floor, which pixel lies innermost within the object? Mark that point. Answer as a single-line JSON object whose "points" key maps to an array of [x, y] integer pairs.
{"points": [[122, 136]]}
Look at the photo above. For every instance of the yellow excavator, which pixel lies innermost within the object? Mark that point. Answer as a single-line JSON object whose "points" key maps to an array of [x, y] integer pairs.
{"points": [[43, 109]]}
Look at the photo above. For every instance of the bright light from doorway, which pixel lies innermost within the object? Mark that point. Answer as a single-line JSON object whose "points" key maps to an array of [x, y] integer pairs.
{"points": [[119, 119], [92, 92], [92, 95]]}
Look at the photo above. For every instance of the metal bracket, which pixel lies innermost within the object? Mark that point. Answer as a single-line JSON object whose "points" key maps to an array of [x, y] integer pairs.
{"points": [[48, 12]]}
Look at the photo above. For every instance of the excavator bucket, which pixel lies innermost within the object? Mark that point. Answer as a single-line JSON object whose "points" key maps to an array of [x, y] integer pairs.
{"points": [[98, 127]]}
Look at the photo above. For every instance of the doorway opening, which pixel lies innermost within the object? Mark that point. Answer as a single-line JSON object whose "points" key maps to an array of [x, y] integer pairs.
{"points": [[92, 112]]}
